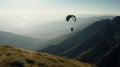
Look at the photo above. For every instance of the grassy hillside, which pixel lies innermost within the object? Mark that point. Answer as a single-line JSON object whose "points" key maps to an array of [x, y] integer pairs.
{"points": [[16, 57]]}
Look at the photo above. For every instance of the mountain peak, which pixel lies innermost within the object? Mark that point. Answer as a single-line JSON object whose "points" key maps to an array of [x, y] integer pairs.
{"points": [[116, 19]]}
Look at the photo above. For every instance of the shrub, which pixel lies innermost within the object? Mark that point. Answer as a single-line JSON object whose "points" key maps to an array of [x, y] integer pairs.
{"points": [[42, 65], [54, 60], [30, 61], [61, 60], [17, 63], [8, 54], [8, 46], [38, 54]]}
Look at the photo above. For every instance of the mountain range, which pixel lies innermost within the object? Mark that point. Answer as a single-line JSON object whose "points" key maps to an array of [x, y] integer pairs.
{"points": [[43, 35], [98, 43]]}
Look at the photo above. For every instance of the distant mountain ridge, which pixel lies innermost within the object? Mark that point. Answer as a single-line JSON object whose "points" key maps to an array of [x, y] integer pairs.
{"points": [[20, 41], [92, 44]]}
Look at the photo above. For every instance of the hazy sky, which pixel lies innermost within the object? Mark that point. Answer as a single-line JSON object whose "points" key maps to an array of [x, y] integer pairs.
{"points": [[22, 15], [60, 6]]}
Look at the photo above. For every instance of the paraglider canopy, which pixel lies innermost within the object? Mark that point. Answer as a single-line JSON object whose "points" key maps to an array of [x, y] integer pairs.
{"points": [[71, 16]]}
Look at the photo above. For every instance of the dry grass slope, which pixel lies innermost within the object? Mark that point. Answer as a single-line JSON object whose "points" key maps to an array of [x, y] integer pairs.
{"points": [[16, 57]]}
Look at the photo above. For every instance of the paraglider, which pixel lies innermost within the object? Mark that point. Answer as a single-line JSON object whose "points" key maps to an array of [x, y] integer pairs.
{"points": [[73, 17]]}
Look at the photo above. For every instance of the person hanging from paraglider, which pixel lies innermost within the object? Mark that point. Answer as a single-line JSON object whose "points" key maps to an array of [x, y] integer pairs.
{"points": [[71, 29], [73, 18]]}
